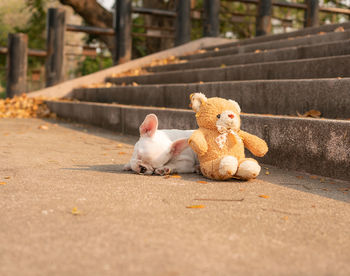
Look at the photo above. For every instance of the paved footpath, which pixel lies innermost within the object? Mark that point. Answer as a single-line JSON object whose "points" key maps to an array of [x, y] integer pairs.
{"points": [[67, 208]]}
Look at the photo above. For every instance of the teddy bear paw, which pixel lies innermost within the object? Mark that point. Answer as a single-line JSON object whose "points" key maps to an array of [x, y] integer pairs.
{"points": [[228, 165], [248, 169], [162, 171]]}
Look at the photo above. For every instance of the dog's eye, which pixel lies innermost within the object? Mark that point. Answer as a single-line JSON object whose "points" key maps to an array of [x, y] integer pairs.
{"points": [[218, 116], [143, 169]]}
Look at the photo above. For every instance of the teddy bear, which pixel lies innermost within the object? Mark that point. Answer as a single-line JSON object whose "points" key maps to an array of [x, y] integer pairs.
{"points": [[219, 142]]}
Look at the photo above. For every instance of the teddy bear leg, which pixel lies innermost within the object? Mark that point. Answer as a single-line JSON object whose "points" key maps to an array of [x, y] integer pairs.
{"points": [[221, 168], [248, 168]]}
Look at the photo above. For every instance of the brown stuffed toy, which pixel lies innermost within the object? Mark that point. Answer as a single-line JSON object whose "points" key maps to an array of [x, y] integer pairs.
{"points": [[220, 143]]}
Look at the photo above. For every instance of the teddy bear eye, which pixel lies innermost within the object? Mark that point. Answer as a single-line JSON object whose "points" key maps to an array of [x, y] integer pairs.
{"points": [[218, 116]]}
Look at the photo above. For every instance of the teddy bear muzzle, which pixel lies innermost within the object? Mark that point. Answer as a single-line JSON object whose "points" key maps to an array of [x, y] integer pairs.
{"points": [[227, 119]]}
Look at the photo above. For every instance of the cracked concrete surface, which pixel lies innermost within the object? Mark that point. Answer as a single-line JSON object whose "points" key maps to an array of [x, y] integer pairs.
{"points": [[67, 208]]}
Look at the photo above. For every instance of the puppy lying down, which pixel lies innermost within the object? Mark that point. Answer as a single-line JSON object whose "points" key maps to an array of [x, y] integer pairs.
{"points": [[163, 151]]}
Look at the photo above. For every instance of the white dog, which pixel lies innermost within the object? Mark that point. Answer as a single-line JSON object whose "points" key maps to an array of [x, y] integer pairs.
{"points": [[162, 151]]}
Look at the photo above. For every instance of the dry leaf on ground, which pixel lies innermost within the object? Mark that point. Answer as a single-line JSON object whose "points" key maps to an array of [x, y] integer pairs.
{"points": [[264, 196], [75, 211], [195, 206], [175, 176], [202, 182], [2, 183], [43, 127], [7, 177], [339, 29], [311, 113]]}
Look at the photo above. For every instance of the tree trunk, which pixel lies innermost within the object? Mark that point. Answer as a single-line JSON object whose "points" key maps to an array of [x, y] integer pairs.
{"points": [[94, 15]]}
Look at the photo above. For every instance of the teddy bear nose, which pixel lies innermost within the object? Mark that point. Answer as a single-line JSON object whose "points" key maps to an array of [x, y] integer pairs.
{"points": [[231, 116]]}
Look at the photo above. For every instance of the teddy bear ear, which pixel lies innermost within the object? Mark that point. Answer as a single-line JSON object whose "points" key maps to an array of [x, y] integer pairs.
{"points": [[238, 108], [197, 99]]}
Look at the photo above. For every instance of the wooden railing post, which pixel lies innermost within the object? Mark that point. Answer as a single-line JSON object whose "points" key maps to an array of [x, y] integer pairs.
{"points": [[56, 24], [312, 13], [211, 24], [17, 64], [183, 22], [263, 20], [122, 27]]}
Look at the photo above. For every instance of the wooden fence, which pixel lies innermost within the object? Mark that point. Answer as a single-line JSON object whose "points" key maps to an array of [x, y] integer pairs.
{"points": [[17, 50]]}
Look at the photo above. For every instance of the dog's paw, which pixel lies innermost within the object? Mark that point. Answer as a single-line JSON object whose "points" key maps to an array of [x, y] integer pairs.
{"points": [[127, 167], [162, 171]]}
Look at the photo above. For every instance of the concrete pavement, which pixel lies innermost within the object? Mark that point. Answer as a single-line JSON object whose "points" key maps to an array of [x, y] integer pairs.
{"points": [[67, 208]]}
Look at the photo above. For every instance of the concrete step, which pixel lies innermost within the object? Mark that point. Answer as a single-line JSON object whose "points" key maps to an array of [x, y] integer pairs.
{"points": [[290, 53], [298, 33], [282, 97], [311, 145], [329, 67], [284, 43]]}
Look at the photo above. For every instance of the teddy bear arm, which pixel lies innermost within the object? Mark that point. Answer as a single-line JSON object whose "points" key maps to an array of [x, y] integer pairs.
{"points": [[198, 143], [254, 144]]}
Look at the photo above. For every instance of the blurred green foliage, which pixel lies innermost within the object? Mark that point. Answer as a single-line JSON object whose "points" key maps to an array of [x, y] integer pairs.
{"points": [[93, 64]]}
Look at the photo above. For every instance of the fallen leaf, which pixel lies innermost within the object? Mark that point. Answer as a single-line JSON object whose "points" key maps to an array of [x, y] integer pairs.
{"points": [[7, 177], [195, 206], [2, 183], [311, 113], [313, 177], [216, 49], [121, 152], [257, 51], [285, 218], [322, 180], [339, 29], [119, 146], [267, 172], [264, 196], [175, 176], [313, 206], [202, 182], [43, 127], [324, 189], [339, 78], [321, 33], [135, 84], [75, 211], [222, 65], [343, 189], [300, 177]]}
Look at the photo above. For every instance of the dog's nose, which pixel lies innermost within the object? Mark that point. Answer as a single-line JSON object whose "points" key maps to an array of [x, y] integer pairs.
{"points": [[231, 116], [143, 169]]}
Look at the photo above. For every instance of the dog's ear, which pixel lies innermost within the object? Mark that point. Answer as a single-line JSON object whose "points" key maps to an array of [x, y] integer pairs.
{"points": [[197, 99], [149, 126], [178, 146]]}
